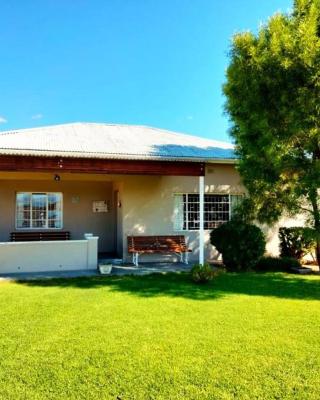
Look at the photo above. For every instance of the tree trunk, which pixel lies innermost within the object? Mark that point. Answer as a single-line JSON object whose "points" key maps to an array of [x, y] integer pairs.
{"points": [[316, 216], [318, 252]]}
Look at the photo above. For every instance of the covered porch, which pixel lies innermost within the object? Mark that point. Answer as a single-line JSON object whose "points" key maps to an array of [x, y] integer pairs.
{"points": [[100, 205]]}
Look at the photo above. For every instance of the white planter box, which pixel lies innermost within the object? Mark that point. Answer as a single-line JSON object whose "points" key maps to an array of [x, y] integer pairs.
{"points": [[105, 269], [53, 255]]}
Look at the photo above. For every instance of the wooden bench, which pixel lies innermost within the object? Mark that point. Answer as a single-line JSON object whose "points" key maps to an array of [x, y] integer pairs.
{"points": [[31, 236], [138, 245]]}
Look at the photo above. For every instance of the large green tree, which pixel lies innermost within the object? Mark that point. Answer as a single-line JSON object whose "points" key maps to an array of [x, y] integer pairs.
{"points": [[273, 100]]}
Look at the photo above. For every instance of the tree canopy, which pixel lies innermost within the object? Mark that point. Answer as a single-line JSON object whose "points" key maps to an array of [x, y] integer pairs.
{"points": [[273, 100]]}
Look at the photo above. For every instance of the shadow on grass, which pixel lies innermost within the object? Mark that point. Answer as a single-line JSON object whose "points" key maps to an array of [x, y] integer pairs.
{"points": [[179, 285]]}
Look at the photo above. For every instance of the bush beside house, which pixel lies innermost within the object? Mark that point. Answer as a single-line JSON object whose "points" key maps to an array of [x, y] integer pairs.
{"points": [[202, 273], [296, 242], [277, 264], [241, 244]]}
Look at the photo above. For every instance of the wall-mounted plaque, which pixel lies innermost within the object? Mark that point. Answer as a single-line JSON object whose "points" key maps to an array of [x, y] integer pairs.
{"points": [[99, 206], [75, 199]]}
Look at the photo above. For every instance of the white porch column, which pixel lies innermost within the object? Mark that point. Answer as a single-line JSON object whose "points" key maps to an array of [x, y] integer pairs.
{"points": [[201, 221], [92, 250]]}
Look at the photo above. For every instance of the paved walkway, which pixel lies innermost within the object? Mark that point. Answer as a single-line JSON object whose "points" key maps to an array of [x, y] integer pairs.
{"points": [[150, 268], [143, 269], [47, 275]]}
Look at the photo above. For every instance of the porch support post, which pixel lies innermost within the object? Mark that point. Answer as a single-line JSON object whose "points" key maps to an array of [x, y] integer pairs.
{"points": [[201, 220]]}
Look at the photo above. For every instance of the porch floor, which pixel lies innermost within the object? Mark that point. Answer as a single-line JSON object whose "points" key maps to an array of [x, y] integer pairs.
{"points": [[128, 269]]}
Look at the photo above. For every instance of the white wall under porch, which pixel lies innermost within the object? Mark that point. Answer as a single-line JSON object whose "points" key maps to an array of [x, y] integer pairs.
{"points": [[64, 255]]}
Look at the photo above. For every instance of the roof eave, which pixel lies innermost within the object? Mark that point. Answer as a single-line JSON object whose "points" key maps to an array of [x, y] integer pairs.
{"points": [[66, 154], [222, 161]]}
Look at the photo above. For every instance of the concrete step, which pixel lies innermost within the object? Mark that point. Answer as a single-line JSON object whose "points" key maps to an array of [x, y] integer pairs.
{"points": [[113, 261]]}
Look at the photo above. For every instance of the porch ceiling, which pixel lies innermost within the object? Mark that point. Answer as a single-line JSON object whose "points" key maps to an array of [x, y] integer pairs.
{"points": [[101, 166]]}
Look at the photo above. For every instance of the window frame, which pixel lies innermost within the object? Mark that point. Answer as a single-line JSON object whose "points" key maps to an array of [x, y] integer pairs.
{"points": [[196, 193], [31, 228]]}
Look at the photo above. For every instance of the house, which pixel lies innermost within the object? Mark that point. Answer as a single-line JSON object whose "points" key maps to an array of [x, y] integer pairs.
{"points": [[102, 183]]}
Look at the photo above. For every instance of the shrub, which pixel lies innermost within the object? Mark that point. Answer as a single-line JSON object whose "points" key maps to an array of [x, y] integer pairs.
{"points": [[277, 264], [241, 244], [296, 242], [202, 273]]}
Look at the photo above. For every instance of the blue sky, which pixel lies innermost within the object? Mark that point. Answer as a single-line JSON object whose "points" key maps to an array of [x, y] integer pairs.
{"points": [[149, 62]]}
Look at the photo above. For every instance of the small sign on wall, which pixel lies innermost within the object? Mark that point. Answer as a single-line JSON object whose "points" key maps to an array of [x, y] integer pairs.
{"points": [[75, 199], [100, 206]]}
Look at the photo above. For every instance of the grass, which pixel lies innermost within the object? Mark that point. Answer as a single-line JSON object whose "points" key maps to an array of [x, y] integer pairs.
{"points": [[248, 336]]}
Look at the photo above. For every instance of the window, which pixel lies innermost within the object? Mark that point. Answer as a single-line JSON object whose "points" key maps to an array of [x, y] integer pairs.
{"points": [[39, 211], [217, 210]]}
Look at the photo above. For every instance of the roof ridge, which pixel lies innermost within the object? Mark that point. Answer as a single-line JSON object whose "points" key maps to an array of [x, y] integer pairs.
{"points": [[15, 131], [189, 135], [164, 130], [158, 129]]}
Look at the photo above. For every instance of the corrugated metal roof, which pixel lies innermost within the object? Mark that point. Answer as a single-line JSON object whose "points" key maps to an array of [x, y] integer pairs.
{"points": [[93, 140]]}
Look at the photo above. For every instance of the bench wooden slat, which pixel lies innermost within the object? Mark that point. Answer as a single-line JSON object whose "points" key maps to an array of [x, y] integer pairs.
{"points": [[157, 244], [143, 243]]}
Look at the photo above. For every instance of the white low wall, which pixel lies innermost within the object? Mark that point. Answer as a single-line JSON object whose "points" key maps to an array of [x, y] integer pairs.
{"points": [[64, 255]]}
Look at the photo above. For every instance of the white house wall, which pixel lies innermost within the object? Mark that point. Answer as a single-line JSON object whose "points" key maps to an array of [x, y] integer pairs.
{"points": [[148, 205], [145, 205]]}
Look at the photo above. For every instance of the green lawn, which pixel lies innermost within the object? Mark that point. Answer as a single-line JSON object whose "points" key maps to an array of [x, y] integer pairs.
{"points": [[249, 336]]}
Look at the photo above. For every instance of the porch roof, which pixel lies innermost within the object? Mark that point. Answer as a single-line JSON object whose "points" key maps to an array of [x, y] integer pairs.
{"points": [[113, 142]]}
